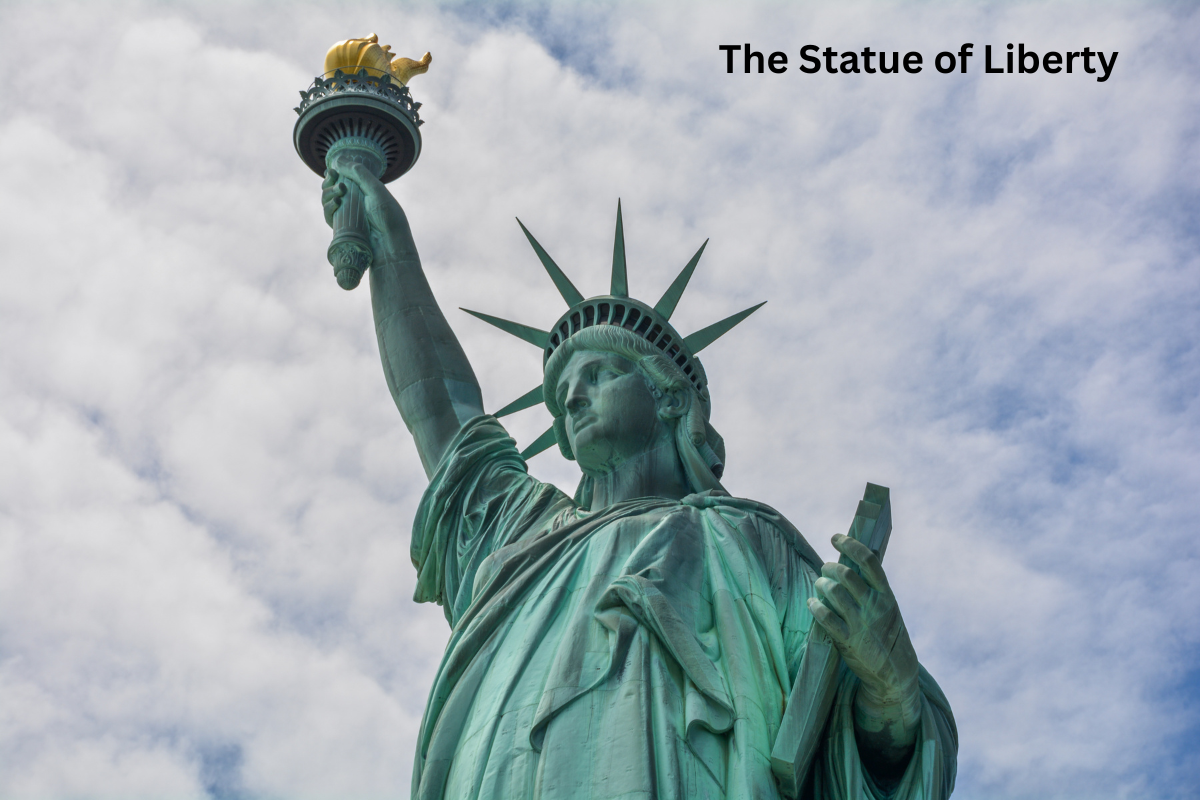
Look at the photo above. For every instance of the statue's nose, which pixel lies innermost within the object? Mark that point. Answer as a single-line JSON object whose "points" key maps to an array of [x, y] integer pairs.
{"points": [[576, 401], [576, 396]]}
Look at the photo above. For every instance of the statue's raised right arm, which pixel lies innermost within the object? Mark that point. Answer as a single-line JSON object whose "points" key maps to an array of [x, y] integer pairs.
{"points": [[426, 369]]}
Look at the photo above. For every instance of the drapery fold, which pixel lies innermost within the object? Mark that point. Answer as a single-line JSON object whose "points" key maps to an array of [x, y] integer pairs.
{"points": [[644, 650]]}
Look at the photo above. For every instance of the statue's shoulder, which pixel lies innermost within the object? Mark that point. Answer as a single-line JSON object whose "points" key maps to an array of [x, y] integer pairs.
{"points": [[759, 519]]}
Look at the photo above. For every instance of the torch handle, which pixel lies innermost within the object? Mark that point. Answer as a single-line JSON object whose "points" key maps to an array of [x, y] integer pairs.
{"points": [[350, 251]]}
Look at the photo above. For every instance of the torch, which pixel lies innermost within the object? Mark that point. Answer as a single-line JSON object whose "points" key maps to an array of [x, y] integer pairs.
{"points": [[359, 111]]}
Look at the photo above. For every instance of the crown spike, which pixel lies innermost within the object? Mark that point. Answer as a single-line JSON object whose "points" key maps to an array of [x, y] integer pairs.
{"points": [[528, 400], [526, 333], [565, 288], [620, 281], [666, 305], [698, 341], [543, 442]]}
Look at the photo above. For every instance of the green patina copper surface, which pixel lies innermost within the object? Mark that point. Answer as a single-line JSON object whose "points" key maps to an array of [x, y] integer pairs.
{"points": [[650, 635]]}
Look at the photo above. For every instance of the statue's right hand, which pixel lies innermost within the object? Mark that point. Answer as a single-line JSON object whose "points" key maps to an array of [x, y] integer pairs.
{"points": [[391, 238], [332, 191]]}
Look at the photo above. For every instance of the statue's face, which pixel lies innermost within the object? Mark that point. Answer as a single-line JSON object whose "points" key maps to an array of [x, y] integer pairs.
{"points": [[611, 415]]}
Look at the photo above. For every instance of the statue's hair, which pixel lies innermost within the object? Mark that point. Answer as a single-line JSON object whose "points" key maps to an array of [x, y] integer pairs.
{"points": [[662, 376]]}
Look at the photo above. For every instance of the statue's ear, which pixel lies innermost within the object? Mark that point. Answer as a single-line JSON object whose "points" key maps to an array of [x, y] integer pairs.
{"points": [[672, 405]]}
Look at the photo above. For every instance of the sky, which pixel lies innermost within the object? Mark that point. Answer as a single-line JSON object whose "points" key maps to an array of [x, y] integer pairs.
{"points": [[983, 293]]}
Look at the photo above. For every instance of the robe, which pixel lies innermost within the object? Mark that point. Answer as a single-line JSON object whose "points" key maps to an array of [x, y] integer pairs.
{"points": [[644, 650]]}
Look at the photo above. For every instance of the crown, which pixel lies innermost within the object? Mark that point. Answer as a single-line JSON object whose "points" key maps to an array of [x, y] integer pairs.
{"points": [[651, 323]]}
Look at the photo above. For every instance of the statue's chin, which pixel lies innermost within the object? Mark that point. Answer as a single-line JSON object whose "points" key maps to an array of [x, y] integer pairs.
{"points": [[596, 468], [601, 458]]}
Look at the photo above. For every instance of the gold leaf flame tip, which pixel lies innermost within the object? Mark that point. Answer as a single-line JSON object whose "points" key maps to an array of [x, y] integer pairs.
{"points": [[353, 55]]}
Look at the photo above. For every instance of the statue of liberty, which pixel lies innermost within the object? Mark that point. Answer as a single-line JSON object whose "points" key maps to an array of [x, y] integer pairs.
{"points": [[641, 638]]}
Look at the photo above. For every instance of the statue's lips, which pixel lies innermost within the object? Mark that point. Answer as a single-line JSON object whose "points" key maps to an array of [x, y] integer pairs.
{"points": [[581, 422]]}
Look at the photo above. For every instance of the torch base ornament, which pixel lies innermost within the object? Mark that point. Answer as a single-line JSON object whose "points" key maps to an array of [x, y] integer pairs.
{"points": [[350, 260]]}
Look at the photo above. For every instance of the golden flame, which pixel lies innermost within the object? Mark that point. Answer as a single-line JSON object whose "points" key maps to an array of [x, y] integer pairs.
{"points": [[352, 55]]}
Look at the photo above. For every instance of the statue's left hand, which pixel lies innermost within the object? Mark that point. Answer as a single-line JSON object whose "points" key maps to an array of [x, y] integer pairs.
{"points": [[862, 618]]}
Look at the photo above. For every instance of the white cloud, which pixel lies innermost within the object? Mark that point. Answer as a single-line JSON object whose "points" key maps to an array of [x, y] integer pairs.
{"points": [[982, 293]]}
